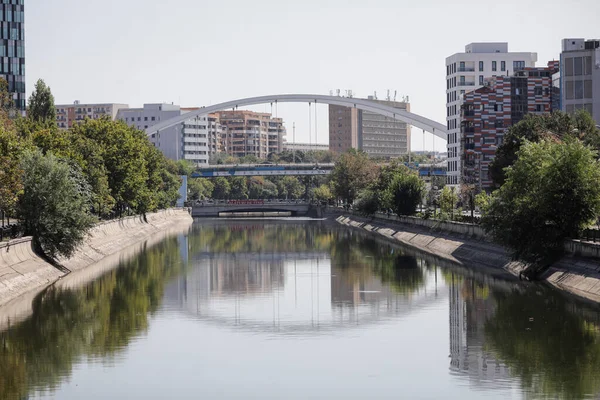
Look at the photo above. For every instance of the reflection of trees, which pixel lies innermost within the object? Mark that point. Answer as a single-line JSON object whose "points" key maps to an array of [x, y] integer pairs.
{"points": [[547, 343], [247, 236], [97, 320], [359, 257]]}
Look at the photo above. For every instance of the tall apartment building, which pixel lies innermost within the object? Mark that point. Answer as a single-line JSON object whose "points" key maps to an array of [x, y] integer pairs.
{"points": [[12, 49], [68, 114], [580, 76], [486, 114], [466, 72], [252, 133], [195, 139], [375, 134]]}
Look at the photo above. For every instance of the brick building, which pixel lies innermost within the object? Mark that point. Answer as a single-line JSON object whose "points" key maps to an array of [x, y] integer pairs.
{"points": [[487, 113]]}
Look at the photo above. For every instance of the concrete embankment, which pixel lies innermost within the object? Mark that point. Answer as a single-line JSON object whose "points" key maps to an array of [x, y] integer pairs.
{"points": [[578, 273], [23, 272]]}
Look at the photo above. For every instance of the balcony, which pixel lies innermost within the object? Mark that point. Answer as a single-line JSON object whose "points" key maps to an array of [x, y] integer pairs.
{"points": [[466, 69], [465, 83]]}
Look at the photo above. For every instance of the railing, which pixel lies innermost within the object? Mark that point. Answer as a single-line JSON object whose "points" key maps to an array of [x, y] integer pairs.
{"points": [[11, 231], [590, 235], [462, 83], [466, 69]]}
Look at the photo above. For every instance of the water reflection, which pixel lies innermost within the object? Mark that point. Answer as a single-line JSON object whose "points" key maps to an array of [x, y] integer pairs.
{"points": [[275, 277], [94, 323], [284, 281]]}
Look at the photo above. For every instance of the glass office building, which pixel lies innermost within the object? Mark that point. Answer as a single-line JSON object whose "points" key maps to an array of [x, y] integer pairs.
{"points": [[12, 49]]}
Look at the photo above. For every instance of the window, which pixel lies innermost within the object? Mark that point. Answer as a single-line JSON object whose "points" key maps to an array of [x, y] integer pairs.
{"points": [[481, 79], [145, 118], [588, 65], [502, 65], [518, 65], [587, 89], [139, 118], [153, 118], [494, 65], [539, 108], [537, 91], [578, 66], [461, 66], [579, 89], [480, 65], [568, 66]]}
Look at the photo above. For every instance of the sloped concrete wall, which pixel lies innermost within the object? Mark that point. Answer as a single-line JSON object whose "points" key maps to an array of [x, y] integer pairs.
{"points": [[576, 274], [23, 271]]}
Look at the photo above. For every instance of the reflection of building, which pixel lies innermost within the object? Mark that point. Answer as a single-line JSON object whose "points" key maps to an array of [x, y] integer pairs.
{"points": [[468, 315]]}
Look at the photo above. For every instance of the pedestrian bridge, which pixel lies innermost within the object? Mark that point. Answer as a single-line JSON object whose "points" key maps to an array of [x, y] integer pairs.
{"points": [[214, 171], [254, 208]]}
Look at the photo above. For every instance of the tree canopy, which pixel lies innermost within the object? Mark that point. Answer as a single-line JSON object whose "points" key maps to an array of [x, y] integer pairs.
{"points": [[41, 104], [551, 193], [353, 172]]}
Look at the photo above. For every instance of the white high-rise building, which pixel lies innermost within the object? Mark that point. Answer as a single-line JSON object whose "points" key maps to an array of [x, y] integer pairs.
{"points": [[466, 72], [195, 139], [580, 76]]}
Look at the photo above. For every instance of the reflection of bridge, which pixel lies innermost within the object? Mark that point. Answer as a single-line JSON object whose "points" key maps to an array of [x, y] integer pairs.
{"points": [[415, 120], [235, 208], [213, 171]]}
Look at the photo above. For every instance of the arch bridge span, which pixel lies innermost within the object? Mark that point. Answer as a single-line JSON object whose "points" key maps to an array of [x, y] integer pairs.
{"points": [[366, 105]]}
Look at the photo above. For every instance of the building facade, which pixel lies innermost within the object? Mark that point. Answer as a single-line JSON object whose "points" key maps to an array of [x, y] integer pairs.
{"points": [[250, 133], [580, 76], [377, 135], [12, 49], [487, 113], [68, 114], [466, 72], [194, 140]]}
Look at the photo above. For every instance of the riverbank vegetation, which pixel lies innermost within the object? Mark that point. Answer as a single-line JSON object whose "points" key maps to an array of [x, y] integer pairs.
{"points": [[547, 178], [59, 182]]}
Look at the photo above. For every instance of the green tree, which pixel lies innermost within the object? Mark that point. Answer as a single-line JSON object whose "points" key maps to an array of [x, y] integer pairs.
{"points": [[353, 172], [55, 204], [367, 203], [11, 186], [41, 104], [322, 193], [551, 193], [185, 167], [7, 104], [482, 201], [222, 188], [448, 200], [239, 188], [405, 192], [200, 188], [261, 188], [534, 128], [289, 187]]}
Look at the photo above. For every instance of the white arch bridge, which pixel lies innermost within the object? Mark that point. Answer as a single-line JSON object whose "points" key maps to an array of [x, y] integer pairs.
{"points": [[415, 120]]}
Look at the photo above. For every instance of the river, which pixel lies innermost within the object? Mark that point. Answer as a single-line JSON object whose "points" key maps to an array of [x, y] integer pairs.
{"points": [[298, 309]]}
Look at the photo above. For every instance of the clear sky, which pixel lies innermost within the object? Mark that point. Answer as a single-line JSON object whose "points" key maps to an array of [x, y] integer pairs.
{"points": [[200, 52]]}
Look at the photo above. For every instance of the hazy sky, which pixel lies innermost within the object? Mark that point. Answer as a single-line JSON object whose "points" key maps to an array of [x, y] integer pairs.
{"points": [[198, 52]]}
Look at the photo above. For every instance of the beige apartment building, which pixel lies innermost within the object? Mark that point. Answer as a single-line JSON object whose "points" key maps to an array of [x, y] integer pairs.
{"points": [[377, 135], [68, 114], [251, 133]]}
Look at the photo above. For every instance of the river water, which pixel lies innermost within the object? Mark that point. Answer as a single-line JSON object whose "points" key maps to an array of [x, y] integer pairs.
{"points": [[298, 309]]}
